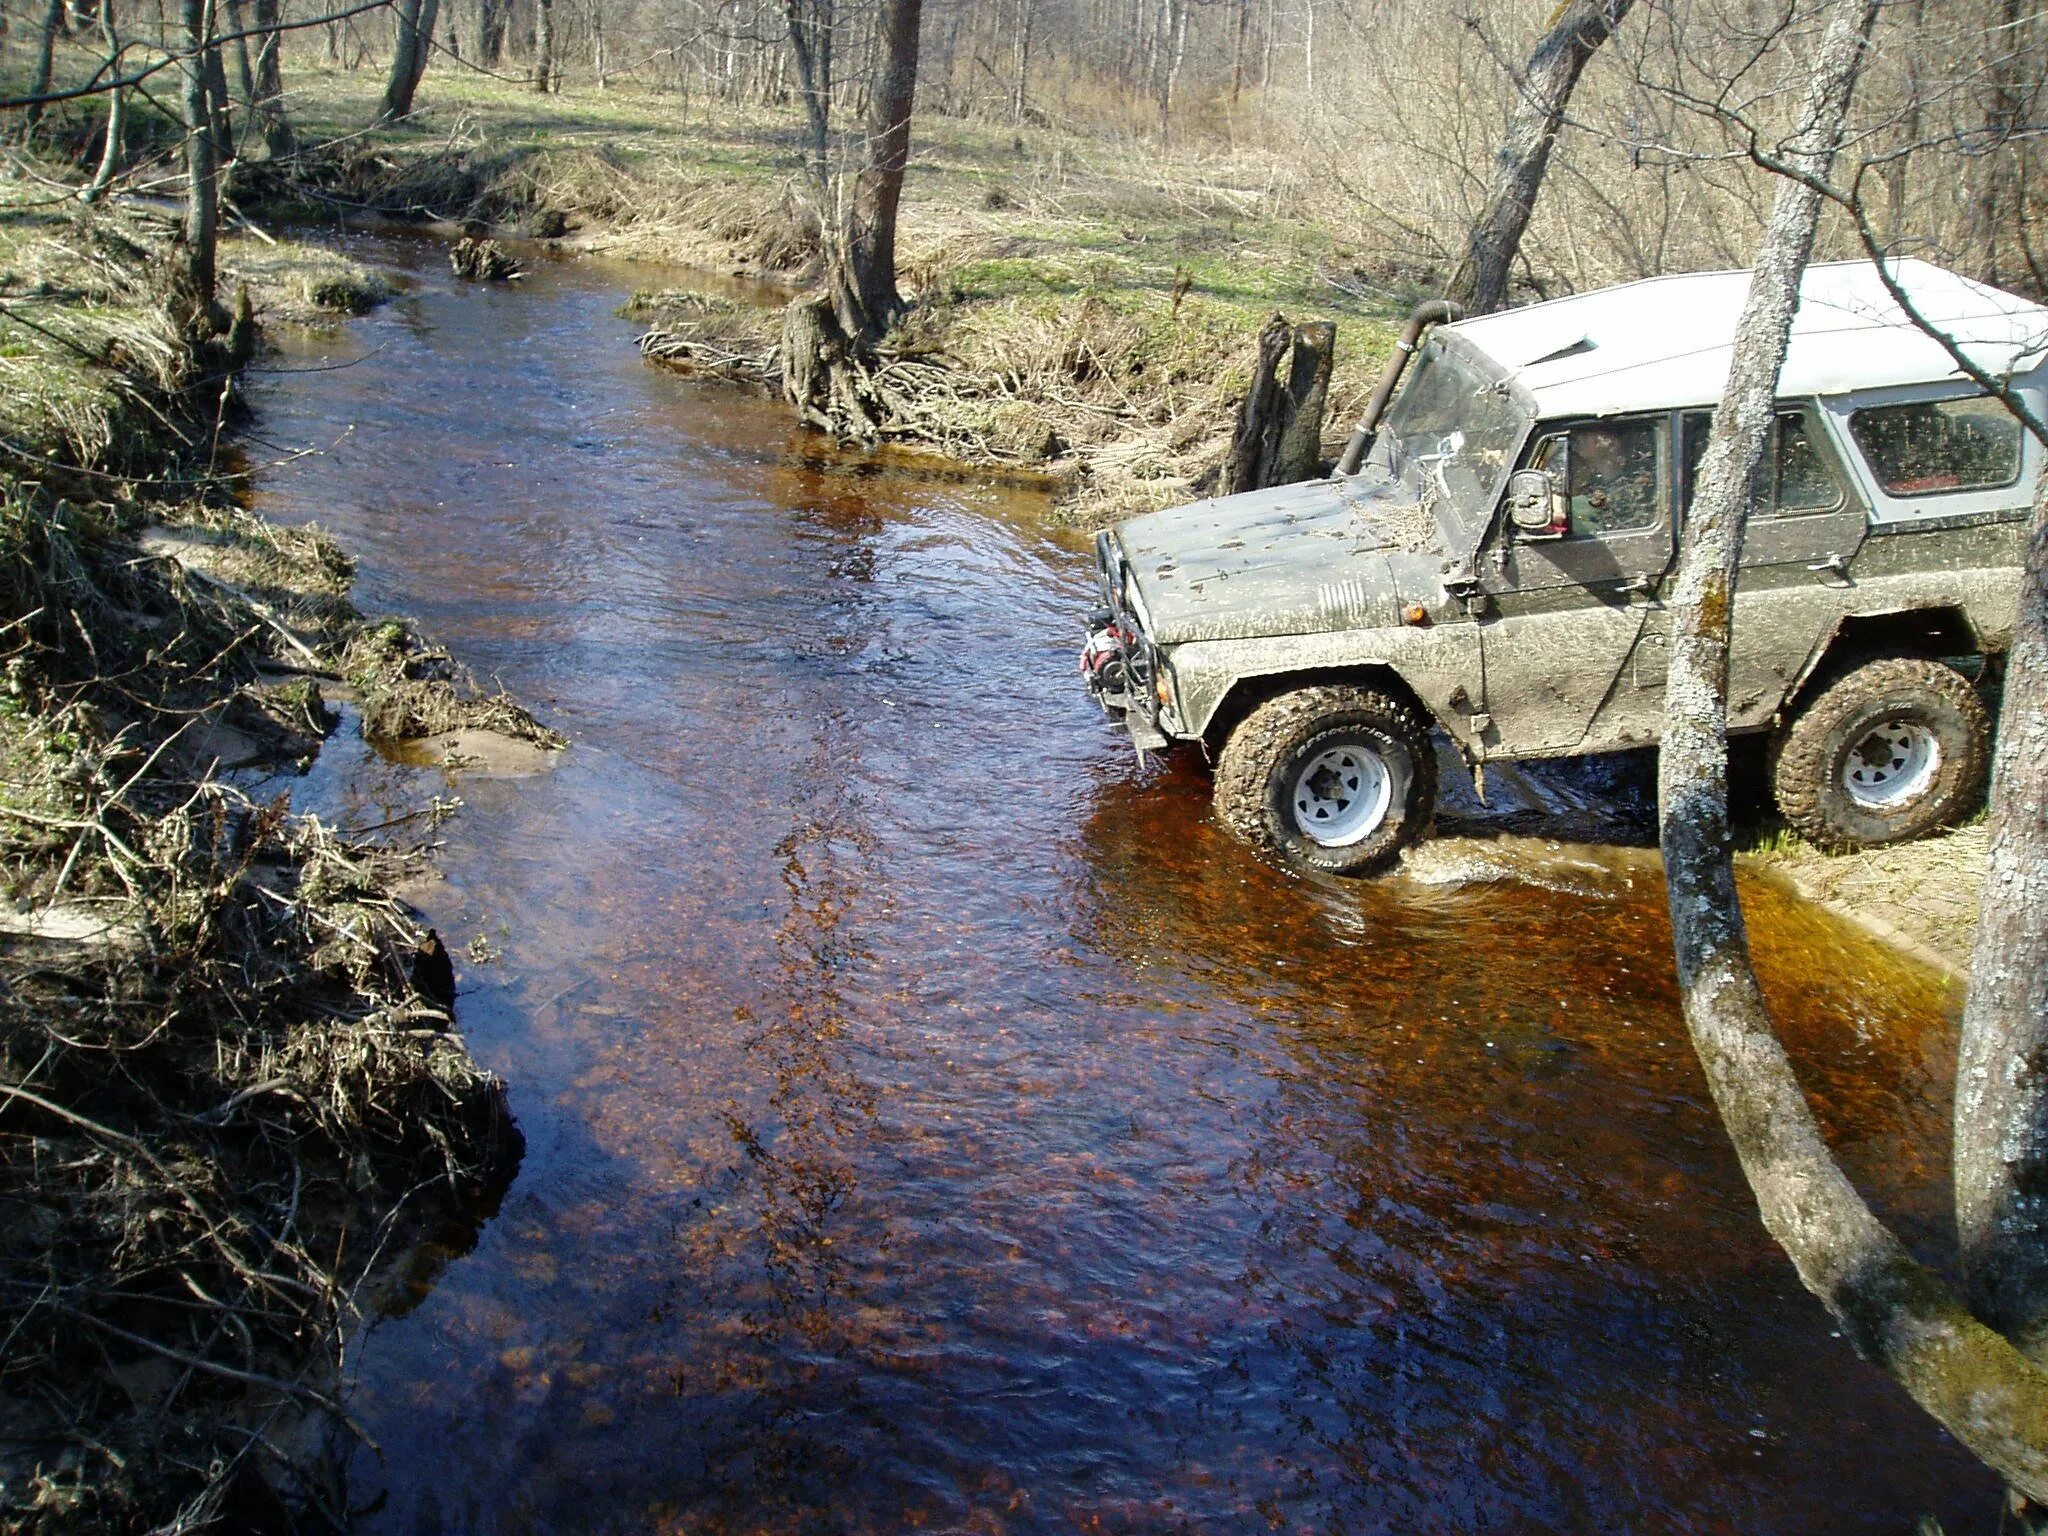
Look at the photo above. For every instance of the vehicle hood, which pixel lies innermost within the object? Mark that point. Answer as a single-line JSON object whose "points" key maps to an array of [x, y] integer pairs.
{"points": [[1299, 559]]}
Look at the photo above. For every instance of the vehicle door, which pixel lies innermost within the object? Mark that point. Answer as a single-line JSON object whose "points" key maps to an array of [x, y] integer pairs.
{"points": [[1798, 559], [1564, 610]]}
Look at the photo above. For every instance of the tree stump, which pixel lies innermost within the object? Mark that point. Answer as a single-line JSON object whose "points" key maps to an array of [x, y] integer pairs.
{"points": [[482, 261], [827, 374], [1279, 437]]}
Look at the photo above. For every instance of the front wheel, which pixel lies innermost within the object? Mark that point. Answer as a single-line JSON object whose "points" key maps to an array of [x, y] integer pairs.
{"points": [[1334, 779], [1889, 751]]}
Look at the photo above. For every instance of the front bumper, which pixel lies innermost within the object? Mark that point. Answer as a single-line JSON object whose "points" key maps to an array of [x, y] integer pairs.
{"points": [[1119, 664]]}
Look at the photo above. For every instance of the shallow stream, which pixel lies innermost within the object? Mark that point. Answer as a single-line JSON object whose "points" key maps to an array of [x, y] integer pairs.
{"points": [[934, 1122]]}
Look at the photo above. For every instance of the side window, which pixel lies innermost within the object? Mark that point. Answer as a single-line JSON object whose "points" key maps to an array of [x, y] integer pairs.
{"points": [[1927, 447], [1611, 474], [1696, 426], [1802, 480], [1805, 483]]}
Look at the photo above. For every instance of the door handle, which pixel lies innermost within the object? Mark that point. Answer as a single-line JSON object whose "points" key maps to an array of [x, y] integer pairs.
{"points": [[1639, 591], [1834, 567]]}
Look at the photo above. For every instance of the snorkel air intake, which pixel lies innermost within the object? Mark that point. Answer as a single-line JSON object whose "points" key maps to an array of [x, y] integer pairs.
{"points": [[1436, 311]]}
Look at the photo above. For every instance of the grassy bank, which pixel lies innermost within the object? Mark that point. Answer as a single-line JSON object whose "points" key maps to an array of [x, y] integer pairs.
{"points": [[1087, 310], [230, 1091], [1921, 896]]}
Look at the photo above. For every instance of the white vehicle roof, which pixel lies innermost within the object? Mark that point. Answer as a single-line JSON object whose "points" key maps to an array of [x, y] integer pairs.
{"points": [[1665, 342]]}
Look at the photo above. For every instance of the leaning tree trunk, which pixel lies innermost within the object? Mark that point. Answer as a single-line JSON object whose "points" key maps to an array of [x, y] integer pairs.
{"points": [[415, 35], [1481, 280], [2001, 1114], [117, 112], [1895, 1313]]}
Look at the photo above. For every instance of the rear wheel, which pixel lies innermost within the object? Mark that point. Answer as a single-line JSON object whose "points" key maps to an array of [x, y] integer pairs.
{"points": [[1335, 779], [1886, 752]]}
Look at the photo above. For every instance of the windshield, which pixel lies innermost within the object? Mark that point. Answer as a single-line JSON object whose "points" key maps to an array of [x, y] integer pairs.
{"points": [[1454, 429]]}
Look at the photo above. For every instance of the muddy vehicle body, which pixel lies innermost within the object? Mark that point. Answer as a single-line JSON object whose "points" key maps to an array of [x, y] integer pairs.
{"points": [[1496, 562]]}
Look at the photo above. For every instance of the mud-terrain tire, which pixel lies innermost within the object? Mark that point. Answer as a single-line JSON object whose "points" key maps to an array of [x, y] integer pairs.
{"points": [[1886, 752], [1332, 779]]}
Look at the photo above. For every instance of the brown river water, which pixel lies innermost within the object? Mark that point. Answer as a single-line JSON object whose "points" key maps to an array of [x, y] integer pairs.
{"points": [[933, 1122]]}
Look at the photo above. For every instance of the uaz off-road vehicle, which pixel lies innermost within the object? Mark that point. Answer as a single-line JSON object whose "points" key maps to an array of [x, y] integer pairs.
{"points": [[1492, 560]]}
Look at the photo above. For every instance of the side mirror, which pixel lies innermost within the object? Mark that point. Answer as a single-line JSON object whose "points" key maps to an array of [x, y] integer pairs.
{"points": [[1537, 505]]}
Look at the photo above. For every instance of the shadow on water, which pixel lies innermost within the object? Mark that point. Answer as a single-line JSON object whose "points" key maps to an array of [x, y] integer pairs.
{"points": [[934, 1122]]}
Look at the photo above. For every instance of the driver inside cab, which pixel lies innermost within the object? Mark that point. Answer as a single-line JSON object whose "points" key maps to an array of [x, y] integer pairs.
{"points": [[1612, 471]]}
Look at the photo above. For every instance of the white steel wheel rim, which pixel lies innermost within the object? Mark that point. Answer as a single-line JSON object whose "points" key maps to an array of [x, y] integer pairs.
{"points": [[1341, 796], [1892, 765]]}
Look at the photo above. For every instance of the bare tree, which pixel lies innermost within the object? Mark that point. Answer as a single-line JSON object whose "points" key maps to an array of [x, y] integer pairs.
{"points": [[117, 112], [1972, 1379], [1561, 55], [865, 271], [195, 305], [2001, 1110], [215, 63], [46, 62], [829, 337], [411, 44], [268, 104], [493, 17], [544, 79], [810, 44]]}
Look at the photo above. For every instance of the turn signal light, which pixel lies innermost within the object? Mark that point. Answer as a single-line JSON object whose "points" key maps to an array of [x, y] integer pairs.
{"points": [[1415, 613]]}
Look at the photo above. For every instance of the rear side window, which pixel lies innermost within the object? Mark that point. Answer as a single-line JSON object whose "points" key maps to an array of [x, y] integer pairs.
{"points": [[1930, 446], [1805, 483], [1800, 472]]}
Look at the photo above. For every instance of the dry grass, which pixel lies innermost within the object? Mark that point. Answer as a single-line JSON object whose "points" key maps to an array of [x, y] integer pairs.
{"points": [[1083, 308], [1090, 364], [300, 284], [89, 367]]}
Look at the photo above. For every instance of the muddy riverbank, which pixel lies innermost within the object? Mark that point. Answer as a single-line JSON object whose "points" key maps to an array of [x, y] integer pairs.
{"points": [[932, 1120], [231, 1097], [1077, 315]]}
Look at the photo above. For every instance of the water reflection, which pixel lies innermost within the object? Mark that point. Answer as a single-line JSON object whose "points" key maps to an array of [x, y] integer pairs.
{"points": [[934, 1122]]}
